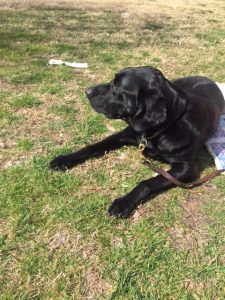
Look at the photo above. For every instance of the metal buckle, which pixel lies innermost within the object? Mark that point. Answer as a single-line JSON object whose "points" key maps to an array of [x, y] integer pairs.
{"points": [[143, 144]]}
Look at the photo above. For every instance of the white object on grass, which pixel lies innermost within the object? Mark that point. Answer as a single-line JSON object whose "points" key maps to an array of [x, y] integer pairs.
{"points": [[69, 64], [216, 144]]}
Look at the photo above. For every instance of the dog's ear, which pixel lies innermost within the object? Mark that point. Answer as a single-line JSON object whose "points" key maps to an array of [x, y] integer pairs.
{"points": [[158, 106], [152, 110]]}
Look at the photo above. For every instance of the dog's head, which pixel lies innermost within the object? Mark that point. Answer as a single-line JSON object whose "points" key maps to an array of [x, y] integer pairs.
{"points": [[141, 96]]}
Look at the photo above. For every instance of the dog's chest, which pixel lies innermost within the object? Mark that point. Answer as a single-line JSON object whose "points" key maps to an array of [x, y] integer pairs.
{"points": [[152, 150], [158, 149]]}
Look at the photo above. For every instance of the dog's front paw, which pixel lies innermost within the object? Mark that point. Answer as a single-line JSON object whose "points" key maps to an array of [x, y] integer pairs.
{"points": [[121, 208], [60, 163]]}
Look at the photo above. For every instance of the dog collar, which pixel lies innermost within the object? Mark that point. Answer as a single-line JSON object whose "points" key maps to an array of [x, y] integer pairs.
{"points": [[144, 140]]}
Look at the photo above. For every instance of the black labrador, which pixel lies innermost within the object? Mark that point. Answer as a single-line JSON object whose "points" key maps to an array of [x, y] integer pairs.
{"points": [[174, 118]]}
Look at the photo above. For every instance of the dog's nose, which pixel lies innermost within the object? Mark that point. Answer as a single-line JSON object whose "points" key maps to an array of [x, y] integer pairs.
{"points": [[88, 91]]}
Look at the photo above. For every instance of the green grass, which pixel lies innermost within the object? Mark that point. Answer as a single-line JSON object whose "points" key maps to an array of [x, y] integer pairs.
{"points": [[56, 239], [26, 101], [25, 144]]}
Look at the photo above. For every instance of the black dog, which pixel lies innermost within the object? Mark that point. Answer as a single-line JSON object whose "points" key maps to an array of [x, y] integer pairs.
{"points": [[174, 118]]}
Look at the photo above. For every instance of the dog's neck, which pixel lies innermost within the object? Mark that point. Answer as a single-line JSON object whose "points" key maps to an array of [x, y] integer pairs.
{"points": [[177, 103], [145, 137], [150, 135]]}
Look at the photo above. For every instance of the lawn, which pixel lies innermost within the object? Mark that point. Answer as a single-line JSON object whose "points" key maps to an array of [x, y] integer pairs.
{"points": [[56, 239]]}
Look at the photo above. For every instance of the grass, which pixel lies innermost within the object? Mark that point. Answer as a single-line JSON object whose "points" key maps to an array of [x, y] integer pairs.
{"points": [[56, 239], [26, 101]]}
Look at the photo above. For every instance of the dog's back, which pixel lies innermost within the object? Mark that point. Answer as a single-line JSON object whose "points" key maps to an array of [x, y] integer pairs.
{"points": [[205, 88], [206, 103]]}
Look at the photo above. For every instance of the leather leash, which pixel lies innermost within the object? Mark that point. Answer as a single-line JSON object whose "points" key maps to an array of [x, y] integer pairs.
{"points": [[172, 179]]}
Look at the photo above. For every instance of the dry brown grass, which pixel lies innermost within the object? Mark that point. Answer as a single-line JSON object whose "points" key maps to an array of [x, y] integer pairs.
{"points": [[135, 6]]}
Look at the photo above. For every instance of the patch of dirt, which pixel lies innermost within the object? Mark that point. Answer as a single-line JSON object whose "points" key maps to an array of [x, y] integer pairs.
{"points": [[193, 216], [95, 284], [191, 232], [73, 243]]}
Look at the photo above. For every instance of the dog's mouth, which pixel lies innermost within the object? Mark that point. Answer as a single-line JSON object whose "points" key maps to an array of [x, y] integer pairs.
{"points": [[101, 101], [99, 107], [98, 98]]}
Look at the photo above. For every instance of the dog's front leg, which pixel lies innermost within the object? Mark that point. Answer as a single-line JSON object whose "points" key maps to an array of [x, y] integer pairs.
{"points": [[124, 206], [115, 141]]}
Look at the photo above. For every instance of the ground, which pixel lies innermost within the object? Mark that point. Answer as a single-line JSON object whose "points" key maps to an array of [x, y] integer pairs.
{"points": [[56, 239]]}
